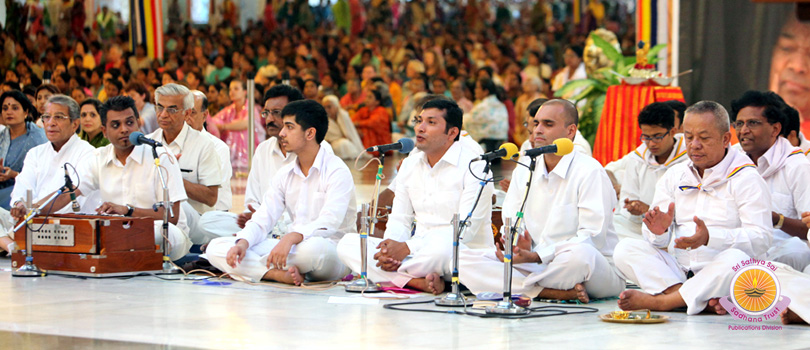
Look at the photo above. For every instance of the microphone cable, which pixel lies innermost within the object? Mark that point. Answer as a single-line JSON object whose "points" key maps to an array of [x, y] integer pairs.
{"points": [[50, 208]]}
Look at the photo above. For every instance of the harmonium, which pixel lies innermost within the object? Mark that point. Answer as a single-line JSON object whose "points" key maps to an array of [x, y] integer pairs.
{"points": [[90, 245]]}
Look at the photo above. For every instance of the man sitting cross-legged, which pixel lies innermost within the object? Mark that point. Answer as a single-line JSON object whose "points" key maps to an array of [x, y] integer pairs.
{"points": [[568, 223], [716, 213], [317, 191], [432, 185]]}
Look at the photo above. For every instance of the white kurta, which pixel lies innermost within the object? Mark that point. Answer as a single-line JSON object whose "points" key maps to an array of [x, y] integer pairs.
{"points": [[568, 213], [138, 184], [787, 172], [430, 196], [641, 175], [43, 173], [733, 201], [224, 194], [322, 208]]}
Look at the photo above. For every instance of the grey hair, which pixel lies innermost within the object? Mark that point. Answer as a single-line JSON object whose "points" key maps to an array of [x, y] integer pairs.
{"points": [[717, 110], [67, 101], [173, 89], [536, 81]]}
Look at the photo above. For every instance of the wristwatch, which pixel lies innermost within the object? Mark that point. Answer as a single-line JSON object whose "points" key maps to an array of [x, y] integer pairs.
{"points": [[130, 209]]}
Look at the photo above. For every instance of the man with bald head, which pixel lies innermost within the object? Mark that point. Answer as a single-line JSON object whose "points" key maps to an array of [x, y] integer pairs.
{"points": [[710, 213], [790, 68], [567, 236]]}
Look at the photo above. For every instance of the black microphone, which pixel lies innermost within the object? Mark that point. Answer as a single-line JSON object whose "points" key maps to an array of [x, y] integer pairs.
{"points": [[506, 151], [404, 145], [137, 138], [69, 186], [560, 147]]}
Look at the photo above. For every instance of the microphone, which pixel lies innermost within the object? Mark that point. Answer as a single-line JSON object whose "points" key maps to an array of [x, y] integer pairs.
{"points": [[69, 186], [560, 147], [137, 138], [507, 151], [404, 145]]}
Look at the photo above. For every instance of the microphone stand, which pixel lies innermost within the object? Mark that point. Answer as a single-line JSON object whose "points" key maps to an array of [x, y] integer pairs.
{"points": [[506, 306], [29, 269], [368, 222], [168, 267]]}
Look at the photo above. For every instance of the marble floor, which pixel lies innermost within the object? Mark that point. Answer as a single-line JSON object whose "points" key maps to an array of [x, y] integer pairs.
{"points": [[145, 312]]}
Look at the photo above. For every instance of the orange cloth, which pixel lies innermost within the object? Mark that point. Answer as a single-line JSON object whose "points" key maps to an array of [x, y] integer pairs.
{"points": [[374, 126], [618, 132]]}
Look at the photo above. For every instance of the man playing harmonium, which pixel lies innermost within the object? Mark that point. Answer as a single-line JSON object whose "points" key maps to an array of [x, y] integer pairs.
{"points": [[708, 214], [317, 191], [562, 254], [432, 185], [128, 180]]}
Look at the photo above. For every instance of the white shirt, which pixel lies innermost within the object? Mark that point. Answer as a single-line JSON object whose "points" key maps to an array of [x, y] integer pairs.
{"points": [[732, 200], [562, 77], [643, 172], [224, 194], [43, 172], [431, 195], [267, 160], [804, 144], [199, 162], [787, 173], [320, 204], [571, 204], [135, 183]]}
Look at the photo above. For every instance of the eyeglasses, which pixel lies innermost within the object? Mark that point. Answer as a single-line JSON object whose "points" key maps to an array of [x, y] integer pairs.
{"points": [[752, 124], [170, 110], [275, 113], [59, 117], [655, 138]]}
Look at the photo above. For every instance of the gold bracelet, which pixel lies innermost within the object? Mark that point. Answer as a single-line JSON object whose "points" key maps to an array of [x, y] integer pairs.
{"points": [[780, 222]]}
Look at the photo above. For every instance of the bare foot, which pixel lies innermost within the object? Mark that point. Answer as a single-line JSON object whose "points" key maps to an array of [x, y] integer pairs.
{"points": [[296, 276], [289, 276], [432, 283], [714, 306], [790, 317], [576, 293]]}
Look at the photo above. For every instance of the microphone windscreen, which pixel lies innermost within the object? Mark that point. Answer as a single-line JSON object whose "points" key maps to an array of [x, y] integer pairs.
{"points": [[407, 145], [564, 146], [511, 150], [133, 138]]}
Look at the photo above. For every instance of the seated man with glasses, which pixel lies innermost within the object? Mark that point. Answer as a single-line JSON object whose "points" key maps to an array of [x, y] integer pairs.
{"points": [[708, 215], [660, 149], [758, 119], [43, 169], [199, 163]]}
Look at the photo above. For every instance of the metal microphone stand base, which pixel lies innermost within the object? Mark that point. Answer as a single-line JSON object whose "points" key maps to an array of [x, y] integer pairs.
{"points": [[28, 269], [362, 285], [451, 299], [169, 269], [506, 308]]}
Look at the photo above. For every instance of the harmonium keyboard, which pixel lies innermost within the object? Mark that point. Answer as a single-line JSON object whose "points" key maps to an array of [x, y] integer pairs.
{"points": [[91, 245]]}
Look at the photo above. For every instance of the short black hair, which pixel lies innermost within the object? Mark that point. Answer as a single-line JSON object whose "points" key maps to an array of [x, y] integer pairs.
{"points": [[535, 105], [658, 114], [91, 101], [292, 93], [576, 49], [569, 110], [453, 115], [774, 105], [117, 84], [679, 108], [792, 121], [489, 86], [117, 103], [308, 114]]}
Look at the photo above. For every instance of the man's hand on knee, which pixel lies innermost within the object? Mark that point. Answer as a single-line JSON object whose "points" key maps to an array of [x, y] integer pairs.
{"points": [[236, 253]]}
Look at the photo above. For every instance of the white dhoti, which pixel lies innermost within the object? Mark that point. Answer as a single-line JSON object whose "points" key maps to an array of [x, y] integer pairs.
{"points": [[179, 243], [315, 258], [655, 270], [791, 251], [795, 286], [626, 228], [193, 221], [215, 224], [481, 271], [435, 255], [345, 149]]}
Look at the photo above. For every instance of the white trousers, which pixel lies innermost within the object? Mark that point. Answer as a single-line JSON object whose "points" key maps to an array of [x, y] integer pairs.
{"points": [[626, 228], [795, 286], [655, 270], [315, 258], [193, 222], [215, 224], [179, 243], [791, 251], [435, 256], [481, 271]]}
